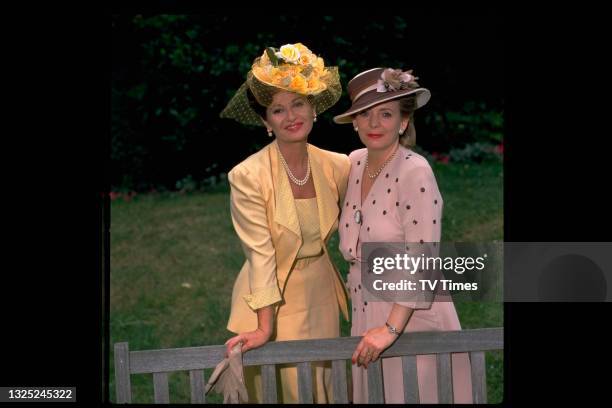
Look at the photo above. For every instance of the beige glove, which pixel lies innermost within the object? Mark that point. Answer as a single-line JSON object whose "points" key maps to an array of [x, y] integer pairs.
{"points": [[227, 378]]}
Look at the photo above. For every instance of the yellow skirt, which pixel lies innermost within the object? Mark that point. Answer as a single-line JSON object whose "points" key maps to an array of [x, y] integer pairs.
{"points": [[309, 310]]}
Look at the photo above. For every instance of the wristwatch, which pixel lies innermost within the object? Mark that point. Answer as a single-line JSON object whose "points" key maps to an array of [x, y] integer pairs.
{"points": [[392, 329]]}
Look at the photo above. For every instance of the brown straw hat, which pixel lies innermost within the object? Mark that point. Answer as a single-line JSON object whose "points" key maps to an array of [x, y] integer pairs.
{"points": [[379, 85]]}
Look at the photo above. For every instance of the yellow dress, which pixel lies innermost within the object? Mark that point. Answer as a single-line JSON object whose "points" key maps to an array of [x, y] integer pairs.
{"points": [[309, 311]]}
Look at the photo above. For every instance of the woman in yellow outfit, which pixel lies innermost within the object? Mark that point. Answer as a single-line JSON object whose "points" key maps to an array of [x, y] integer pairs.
{"points": [[285, 205]]}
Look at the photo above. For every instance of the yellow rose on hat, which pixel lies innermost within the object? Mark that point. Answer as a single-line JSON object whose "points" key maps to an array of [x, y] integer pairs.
{"points": [[299, 84], [289, 53]]}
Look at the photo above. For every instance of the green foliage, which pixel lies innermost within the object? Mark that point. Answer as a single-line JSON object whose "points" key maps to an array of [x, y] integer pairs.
{"points": [[173, 74], [474, 122], [474, 152]]}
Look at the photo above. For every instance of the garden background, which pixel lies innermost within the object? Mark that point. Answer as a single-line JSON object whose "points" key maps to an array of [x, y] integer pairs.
{"points": [[174, 254]]}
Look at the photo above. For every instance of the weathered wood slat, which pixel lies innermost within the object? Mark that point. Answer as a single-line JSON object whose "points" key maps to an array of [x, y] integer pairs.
{"points": [[122, 373], [305, 382], [268, 384], [445, 379], [176, 359], [196, 380], [411, 381], [376, 392], [339, 382], [196, 358], [160, 388], [479, 377]]}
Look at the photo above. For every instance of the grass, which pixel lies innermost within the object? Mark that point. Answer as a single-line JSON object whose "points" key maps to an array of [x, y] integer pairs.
{"points": [[174, 259]]}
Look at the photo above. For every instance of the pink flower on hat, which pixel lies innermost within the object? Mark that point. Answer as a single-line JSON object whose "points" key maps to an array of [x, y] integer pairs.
{"points": [[395, 80]]}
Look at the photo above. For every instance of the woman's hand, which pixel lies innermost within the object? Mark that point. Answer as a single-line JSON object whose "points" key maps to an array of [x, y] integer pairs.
{"points": [[250, 340], [374, 342]]}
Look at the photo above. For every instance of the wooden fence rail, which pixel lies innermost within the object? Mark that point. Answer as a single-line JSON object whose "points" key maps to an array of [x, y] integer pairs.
{"points": [[303, 353]]}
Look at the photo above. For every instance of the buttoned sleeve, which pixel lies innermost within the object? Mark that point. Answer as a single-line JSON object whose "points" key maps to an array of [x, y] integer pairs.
{"points": [[421, 216], [249, 217]]}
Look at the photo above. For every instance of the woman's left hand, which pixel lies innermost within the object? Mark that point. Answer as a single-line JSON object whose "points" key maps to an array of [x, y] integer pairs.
{"points": [[374, 342]]}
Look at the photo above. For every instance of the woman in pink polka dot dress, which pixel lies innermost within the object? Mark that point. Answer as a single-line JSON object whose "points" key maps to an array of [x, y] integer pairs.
{"points": [[392, 196]]}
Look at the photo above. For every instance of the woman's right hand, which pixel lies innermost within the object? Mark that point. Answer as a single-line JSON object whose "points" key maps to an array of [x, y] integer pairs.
{"points": [[250, 340]]}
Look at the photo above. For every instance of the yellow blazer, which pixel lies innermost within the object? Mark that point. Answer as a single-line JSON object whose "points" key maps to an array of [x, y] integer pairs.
{"points": [[265, 219]]}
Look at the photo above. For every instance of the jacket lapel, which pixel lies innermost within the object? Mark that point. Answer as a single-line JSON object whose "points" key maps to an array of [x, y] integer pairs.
{"points": [[285, 214], [326, 200]]}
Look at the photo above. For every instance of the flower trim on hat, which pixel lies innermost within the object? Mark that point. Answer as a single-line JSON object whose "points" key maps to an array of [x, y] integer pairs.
{"points": [[293, 67], [395, 80]]}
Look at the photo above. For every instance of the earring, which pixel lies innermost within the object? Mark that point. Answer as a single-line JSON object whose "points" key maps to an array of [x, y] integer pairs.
{"points": [[269, 133], [315, 118], [401, 132], [356, 128]]}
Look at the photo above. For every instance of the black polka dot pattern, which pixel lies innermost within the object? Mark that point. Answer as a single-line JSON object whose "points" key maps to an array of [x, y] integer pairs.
{"points": [[415, 222], [384, 212], [396, 179], [434, 221], [359, 162], [347, 225], [422, 189], [388, 191], [357, 181], [397, 203], [387, 175], [354, 206], [407, 207]]}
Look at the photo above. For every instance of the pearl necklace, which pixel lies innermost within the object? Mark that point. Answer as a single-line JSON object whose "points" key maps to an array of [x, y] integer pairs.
{"points": [[290, 174], [372, 176]]}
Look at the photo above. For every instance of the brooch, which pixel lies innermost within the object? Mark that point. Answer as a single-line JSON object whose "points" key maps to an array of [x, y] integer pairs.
{"points": [[358, 216]]}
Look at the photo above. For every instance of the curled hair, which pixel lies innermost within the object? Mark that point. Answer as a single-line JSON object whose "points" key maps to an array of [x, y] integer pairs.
{"points": [[407, 108]]}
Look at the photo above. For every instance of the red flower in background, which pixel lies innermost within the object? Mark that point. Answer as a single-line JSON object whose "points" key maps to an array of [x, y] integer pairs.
{"points": [[499, 148], [440, 158]]}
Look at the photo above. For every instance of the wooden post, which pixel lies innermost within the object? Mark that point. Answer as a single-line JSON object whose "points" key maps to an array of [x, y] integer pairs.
{"points": [[268, 383], [339, 382], [122, 373], [196, 379], [479, 377], [376, 392], [411, 381], [445, 379], [160, 387]]}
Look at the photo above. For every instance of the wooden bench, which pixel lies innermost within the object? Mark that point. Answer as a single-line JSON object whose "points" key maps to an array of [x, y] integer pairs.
{"points": [[303, 352]]}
